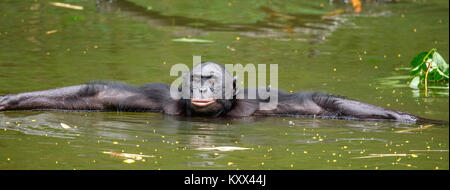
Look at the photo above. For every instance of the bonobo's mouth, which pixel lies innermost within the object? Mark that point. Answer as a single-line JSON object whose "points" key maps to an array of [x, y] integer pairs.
{"points": [[202, 102]]}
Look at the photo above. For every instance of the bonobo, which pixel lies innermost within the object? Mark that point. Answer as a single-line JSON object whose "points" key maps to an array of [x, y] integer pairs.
{"points": [[205, 100]]}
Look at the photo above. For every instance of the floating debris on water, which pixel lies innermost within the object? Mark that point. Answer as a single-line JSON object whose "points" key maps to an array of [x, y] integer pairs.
{"points": [[65, 126], [128, 155], [192, 40], [65, 5], [129, 161], [386, 155], [222, 148], [414, 129], [51, 32], [428, 150]]}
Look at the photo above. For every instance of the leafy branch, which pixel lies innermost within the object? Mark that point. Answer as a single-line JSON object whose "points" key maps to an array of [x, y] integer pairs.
{"points": [[428, 66]]}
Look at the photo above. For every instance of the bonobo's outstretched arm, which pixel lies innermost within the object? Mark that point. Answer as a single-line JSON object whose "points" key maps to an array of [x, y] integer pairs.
{"points": [[331, 106], [346, 107], [93, 96]]}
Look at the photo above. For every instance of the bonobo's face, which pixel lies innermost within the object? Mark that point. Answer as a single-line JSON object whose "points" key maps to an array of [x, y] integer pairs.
{"points": [[208, 91]]}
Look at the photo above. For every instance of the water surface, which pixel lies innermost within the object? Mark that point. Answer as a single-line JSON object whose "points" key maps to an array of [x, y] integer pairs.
{"points": [[318, 46]]}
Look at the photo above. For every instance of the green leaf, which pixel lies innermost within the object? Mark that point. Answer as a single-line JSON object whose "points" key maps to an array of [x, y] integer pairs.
{"points": [[418, 59], [415, 82], [441, 64]]}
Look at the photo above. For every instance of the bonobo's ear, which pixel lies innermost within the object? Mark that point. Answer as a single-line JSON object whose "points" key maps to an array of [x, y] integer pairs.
{"points": [[235, 88]]}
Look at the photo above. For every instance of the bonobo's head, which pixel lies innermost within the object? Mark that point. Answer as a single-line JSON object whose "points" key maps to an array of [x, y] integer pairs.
{"points": [[212, 90]]}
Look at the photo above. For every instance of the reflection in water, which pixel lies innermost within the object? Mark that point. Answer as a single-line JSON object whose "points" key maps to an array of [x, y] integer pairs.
{"points": [[297, 27]]}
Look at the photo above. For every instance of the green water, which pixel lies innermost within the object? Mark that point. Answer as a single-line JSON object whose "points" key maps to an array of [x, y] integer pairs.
{"points": [[361, 56]]}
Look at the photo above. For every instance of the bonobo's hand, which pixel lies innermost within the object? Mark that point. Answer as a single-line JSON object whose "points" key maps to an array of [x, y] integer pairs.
{"points": [[3, 100]]}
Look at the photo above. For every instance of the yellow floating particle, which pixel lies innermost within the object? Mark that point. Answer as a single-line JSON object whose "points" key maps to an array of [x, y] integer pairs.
{"points": [[216, 154], [292, 165], [156, 150], [323, 38], [360, 58], [334, 154], [334, 69], [164, 62], [292, 153], [9, 159], [95, 46], [399, 55], [51, 32], [345, 147], [7, 123], [56, 162], [230, 163], [33, 120], [402, 15], [115, 142], [375, 67], [129, 161], [376, 167], [409, 165], [238, 38], [137, 145], [262, 163], [230, 4], [414, 155], [436, 168], [415, 30], [334, 161]]}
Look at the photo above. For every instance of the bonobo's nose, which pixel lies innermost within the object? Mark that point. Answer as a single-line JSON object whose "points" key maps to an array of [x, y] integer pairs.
{"points": [[202, 89]]}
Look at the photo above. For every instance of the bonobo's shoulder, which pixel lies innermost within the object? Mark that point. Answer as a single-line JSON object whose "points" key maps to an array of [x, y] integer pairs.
{"points": [[110, 85], [155, 86]]}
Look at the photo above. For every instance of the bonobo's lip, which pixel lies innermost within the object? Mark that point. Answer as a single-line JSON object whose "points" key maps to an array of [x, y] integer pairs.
{"points": [[202, 102]]}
